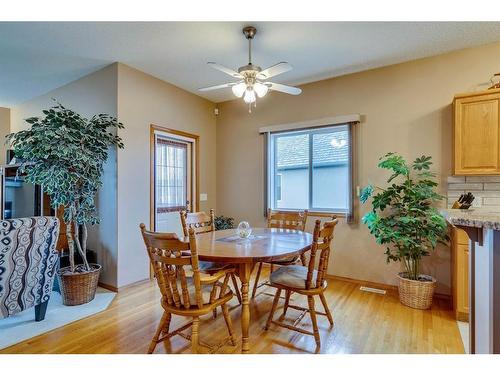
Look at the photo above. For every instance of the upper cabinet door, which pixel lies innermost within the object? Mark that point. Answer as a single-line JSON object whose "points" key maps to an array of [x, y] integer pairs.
{"points": [[477, 133]]}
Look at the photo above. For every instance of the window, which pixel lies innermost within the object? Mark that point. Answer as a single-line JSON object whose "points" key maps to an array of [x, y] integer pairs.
{"points": [[171, 175], [310, 169]]}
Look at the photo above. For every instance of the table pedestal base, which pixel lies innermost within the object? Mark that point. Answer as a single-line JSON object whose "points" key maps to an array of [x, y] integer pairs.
{"points": [[244, 272]]}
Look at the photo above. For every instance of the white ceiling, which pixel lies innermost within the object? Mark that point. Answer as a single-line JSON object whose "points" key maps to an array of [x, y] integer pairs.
{"points": [[38, 57]]}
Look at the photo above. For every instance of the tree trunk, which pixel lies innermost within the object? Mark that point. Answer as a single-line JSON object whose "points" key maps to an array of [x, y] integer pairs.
{"points": [[71, 246], [79, 247]]}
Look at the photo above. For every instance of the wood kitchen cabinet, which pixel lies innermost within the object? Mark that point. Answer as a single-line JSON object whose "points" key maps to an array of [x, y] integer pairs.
{"points": [[476, 133], [460, 273]]}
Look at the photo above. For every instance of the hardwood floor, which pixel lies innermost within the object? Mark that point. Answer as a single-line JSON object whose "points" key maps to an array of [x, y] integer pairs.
{"points": [[364, 323]]}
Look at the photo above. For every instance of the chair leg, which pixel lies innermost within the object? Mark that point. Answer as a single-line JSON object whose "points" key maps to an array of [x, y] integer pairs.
{"points": [[256, 282], [213, 294], [288, 293], [165, 319], [194, 335], [40, 311], [236, 287], [166, 326], [312, 312], [273, 309], [229, 324], [327, 310]]}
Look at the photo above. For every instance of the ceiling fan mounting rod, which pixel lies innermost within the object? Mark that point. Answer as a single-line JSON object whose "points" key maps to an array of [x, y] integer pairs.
{"points": [[249, 33]]}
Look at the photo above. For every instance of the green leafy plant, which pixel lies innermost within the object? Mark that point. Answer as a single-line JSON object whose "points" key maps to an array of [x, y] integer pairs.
{"points": [[223, 222], [403, 217], [65, 152]]}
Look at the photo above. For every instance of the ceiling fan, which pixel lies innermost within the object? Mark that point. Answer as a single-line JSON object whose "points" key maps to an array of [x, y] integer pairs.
{"points": [[251, 78]]}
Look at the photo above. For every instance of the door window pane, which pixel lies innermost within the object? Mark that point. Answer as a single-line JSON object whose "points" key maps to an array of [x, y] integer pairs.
{"points": [[171, 175]]}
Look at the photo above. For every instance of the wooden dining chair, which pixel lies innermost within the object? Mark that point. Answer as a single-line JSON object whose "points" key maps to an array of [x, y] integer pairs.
{"points": [[193, 296], [295, 220], [309, 281], [200, 222]]}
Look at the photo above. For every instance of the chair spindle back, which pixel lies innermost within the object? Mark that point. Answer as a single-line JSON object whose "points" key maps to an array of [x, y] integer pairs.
{"points": [[201, 222], [322, 238], [169, 256], [287, 219]]}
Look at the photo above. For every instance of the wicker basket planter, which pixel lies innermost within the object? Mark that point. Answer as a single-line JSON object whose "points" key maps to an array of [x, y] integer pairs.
{"points": [[78, 288], [416, 293]]}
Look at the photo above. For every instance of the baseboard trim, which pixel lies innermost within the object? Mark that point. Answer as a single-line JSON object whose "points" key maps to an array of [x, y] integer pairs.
{"points": [[121, 288], [370, 284], [388, 287], [108, 287]]}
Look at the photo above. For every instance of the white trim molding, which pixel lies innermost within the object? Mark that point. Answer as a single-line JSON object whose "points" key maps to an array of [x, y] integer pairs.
{"points": [[335, 120]]}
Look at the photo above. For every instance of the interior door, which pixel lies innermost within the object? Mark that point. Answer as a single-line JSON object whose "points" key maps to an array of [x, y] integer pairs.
{"points": [[173, 181]]}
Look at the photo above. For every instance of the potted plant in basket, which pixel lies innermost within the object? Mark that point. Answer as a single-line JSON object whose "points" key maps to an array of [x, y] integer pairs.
{"points": [[65, 152], [404, 220]]}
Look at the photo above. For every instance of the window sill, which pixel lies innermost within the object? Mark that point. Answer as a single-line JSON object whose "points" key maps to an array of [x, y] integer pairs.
{"points": [[326, 214], [317, 213]]}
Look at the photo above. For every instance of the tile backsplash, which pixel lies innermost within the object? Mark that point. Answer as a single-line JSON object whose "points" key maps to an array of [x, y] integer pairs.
{"points": [[486, 189]]}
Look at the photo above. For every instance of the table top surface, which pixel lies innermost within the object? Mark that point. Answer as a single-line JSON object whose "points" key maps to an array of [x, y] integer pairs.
{"points": [[264, 244]]}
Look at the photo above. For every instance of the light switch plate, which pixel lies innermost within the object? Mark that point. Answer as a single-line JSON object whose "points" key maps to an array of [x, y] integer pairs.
{"points": [[203, 197]]}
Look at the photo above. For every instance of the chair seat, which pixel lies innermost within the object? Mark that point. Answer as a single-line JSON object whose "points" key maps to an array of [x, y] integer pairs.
{"points": [[294, 276], [211, 267], [285, 261], [205, 291]]}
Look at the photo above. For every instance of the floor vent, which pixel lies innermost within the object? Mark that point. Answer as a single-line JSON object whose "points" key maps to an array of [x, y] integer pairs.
{"points": [[372, 290]]}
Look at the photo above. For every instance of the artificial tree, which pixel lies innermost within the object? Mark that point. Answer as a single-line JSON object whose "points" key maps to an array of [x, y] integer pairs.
{"points": [[403, 217], [65, 152]]}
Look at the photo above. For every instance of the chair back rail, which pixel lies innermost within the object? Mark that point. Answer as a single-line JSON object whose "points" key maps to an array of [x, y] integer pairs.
{"points": [[295, 220], [201, 222], [322, 239], [169, 257]]}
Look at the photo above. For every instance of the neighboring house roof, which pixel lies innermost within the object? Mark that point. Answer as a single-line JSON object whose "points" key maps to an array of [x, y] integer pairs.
{"points": [[293, 151]]}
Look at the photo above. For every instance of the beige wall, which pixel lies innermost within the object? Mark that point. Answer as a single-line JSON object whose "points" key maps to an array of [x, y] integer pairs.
{"points": [[145, 100], [405, 107], [4, 130], [92, 94]]}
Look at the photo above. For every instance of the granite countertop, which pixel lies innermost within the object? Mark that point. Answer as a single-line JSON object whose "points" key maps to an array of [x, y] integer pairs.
{"points": [[472, 217]]}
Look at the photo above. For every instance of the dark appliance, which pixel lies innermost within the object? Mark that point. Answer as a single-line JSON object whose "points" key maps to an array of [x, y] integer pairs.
{"points": [[19, 198]]}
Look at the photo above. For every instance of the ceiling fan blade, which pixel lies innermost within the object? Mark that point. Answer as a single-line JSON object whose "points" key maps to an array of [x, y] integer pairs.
{"points": [[223, 69], [216, 87], [283, 88], [274, 70]]}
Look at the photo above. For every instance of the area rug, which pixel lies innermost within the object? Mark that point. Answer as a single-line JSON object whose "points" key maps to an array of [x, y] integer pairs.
{"points": [[23, 326]]}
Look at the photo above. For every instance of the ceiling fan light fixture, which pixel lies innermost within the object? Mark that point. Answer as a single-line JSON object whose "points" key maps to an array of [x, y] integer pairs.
{"points": [[249, 95], [239, 89], [252, 80], [260, 89]]}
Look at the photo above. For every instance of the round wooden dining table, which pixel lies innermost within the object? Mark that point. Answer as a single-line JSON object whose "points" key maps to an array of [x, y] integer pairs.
{"points": [[264, 245]]}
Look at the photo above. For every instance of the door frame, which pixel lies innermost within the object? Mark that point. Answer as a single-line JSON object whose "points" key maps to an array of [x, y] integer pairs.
{"points": [[195, 164]]}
